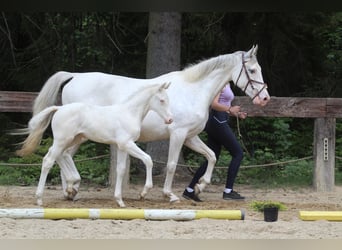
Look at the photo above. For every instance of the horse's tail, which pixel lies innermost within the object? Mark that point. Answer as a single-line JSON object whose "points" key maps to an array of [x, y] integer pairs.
{"points": [[37, 126], [49, 93], [47, 96]]}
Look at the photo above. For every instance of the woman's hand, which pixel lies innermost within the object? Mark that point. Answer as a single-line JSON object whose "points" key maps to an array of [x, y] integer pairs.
{"points": [[242, 115], [236, 111]]}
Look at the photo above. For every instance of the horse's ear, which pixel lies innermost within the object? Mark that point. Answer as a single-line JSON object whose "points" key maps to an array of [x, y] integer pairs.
{"points": [[166, 85], [252, 52], [255, 50]]}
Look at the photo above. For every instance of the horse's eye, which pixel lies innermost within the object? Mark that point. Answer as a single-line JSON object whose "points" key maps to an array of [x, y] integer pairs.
{"points": [[162, 100], [252, 71]]}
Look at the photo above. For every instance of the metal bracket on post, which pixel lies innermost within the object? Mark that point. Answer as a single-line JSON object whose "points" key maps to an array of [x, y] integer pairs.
{"points": [[325, 149]]}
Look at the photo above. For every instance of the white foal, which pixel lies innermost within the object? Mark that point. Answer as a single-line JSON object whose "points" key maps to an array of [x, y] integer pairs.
{"points": [[116, 124]]}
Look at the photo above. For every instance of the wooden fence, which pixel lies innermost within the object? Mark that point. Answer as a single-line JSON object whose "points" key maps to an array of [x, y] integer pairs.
{"points": [[323, 110]]}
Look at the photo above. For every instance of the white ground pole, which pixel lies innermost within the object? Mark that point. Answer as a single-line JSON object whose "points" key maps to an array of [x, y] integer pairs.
{"points": [[119, 214]]}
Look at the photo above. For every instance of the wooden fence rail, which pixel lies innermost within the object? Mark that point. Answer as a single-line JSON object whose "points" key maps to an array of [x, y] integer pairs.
{"points": [[323, 110]]}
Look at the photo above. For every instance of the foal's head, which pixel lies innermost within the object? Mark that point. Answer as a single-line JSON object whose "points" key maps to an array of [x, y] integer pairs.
{"points": [[160, 103], [248, 77]]}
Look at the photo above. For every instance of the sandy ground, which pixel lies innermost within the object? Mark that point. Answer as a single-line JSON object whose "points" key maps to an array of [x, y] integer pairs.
{"points": [[288, 226]]}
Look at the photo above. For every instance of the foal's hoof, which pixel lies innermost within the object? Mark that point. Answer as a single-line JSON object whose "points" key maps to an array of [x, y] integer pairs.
{"points": [[121, 204], [39, 202], [70, 195]]}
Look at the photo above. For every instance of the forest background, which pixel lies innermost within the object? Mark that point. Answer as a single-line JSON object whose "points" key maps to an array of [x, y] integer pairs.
{"points": [[300, 54]]}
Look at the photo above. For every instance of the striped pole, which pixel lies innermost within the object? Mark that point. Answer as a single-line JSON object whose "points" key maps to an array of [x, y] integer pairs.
{"points": [[321, 215], [119, 214]]}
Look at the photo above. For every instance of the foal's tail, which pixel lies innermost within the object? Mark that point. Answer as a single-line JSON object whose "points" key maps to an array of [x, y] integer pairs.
{"points": [[47, 96], [37, 126], [49, 93]]}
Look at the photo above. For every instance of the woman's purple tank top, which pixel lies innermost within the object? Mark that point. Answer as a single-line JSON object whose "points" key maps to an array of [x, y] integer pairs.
{"points": [[227, 96]]}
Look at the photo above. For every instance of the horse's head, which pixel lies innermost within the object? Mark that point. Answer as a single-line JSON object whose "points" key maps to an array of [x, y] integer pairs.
{"points": [[248, 77], [160, 103]]}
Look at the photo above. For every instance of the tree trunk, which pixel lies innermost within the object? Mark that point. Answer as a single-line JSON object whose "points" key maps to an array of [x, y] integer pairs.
{"points": [[163, 56]]}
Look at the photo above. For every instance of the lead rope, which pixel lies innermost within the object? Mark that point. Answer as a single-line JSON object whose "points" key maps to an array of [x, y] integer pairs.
{"points": [[240, 136]]}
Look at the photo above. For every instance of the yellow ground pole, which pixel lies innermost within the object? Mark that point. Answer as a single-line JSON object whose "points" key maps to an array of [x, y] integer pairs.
{"points": [[119, 214], [220, 214], [321, 215]]}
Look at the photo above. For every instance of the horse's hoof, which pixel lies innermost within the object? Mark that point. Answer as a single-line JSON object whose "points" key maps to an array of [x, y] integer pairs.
{"points": [[199, 187], [174, 201], [121, 204], [142, 195], [71, 194], [39, 202]]}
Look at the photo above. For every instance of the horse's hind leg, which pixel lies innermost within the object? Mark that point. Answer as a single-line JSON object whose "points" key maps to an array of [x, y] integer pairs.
{"points": [[196, 144], [71, 175], [176, 143], [68, 163], [48, 162]]}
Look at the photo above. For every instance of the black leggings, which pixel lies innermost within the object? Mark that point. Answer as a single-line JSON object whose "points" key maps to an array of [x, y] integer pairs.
{"points": [[220, 134]]}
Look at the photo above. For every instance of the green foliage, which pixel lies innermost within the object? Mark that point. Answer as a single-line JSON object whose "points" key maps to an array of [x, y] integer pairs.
{"points": [[92, 172], [259, 206]]}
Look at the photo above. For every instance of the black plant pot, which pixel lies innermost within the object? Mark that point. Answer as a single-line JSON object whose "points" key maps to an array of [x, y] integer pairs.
{"points": [[271, 214]]}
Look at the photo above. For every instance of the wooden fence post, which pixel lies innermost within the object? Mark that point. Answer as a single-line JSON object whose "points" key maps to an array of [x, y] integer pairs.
{"points": [[324, 154]]}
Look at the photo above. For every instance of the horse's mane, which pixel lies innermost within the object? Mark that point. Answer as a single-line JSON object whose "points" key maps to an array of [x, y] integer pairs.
{"points": [[195, 72]]}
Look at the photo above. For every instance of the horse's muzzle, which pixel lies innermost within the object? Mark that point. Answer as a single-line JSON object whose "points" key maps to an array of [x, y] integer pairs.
{"points": [[168, 121], [261, 101]]}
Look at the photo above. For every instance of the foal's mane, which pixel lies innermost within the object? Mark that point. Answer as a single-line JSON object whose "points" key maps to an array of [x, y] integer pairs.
{"points": [[195, 72], [141, 89]]}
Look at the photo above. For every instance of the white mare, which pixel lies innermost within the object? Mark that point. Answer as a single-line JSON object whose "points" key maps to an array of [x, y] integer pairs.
{"points": [[192, 92], [118, 124]]}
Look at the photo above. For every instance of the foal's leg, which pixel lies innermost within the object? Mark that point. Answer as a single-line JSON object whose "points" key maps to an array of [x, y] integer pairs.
{"points": [[120, 173], [136, 152], [176, 143], [71, 175], [196, 144], [67, 161], [48, 162]]}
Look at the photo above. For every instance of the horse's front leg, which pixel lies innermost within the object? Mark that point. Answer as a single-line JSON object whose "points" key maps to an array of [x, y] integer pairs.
{"points": [[136, 152], [196, 144], [120, 173], [176, 143]]}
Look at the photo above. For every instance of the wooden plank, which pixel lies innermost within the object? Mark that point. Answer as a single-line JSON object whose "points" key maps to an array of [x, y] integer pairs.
{"points": [[334, 107], [288, 107], [302, 107], [11, 101]]}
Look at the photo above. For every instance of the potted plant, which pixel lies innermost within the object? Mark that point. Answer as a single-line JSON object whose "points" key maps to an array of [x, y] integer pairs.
{"points": [[269, 208]]}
